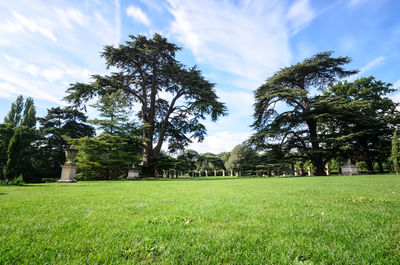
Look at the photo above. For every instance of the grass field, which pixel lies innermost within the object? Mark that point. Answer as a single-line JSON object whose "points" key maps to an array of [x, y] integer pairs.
{"points": [[308, 220]]}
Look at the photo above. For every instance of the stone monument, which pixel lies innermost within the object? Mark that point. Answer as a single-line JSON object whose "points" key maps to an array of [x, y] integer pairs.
{"points": [[133, 173], [349, 169], [68, 171]]}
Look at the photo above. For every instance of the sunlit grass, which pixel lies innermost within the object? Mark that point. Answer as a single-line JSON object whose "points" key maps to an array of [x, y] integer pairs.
{"points": [[308, 220]]}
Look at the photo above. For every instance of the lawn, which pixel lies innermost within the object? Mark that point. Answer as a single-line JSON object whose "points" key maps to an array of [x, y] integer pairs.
{"points": [[307, 220]]}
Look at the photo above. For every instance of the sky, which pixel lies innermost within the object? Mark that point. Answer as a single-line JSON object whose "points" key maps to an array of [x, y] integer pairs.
{"points": [[237, 44]]}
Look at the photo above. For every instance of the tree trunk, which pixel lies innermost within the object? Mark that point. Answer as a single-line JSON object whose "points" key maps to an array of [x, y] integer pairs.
{"points": [[370, 166], [319, 166], [316, 158], [380, 166]]}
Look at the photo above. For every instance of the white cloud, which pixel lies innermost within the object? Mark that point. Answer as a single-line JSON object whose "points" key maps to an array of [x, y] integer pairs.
{"points": [[220, 142], [300, 14], [42, 26], [138, 15]]}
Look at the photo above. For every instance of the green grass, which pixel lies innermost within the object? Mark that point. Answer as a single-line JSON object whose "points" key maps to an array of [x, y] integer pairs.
{"points": [[308, 220]]}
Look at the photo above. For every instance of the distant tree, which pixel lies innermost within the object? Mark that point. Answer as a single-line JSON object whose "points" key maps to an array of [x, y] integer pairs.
{"points": [[147, 71], [6, 132], [20, 155], [209, 161], [165, 163], [276, 161], [188, 159], [242, 158], [22, 114], [57, 124], [15, 115], [29, 118], [297, 127], [395, 152]]}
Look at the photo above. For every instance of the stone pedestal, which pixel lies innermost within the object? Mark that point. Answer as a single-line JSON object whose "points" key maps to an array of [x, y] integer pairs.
{"points": [[349, 169], [68, 173], [309, 172], [132, 174]]}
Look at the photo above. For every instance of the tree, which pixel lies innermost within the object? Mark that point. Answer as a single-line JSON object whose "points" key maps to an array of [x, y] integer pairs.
{"points": [[14, 116], [111, 154], [395, 152], [20, 155], [29, 118], [146, 71], [20, 114], [242, 158], [363, 118], [107, 156], [188, 159], [209, 161], [297, 127], [6, 132], [57, 124], [113, 110]]}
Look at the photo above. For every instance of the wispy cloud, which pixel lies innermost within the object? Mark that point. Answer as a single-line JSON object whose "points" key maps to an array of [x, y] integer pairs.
{"points": [[396, 85], [374, 63], [249, 39], [46, 49], [353, 3], [138, 15]]}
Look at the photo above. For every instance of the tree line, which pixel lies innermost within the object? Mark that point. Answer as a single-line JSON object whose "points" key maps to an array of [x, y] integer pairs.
{"points": [[323, 120]]}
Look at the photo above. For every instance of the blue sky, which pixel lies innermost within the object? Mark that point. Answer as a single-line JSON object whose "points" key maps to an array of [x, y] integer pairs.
{"points": [[46, 45]]}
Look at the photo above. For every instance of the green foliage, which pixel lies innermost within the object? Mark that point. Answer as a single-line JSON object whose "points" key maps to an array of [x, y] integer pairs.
{"points": [[114, 111], [165, 163], [17, 181], [276, 162], [209, 162], [242, 159], [349, 119], [14, 116], [29, 118], [363, 118], [107, 156], [6, 132], [20, 155], [57, 124], [146, 69], [188, 160]]}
